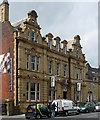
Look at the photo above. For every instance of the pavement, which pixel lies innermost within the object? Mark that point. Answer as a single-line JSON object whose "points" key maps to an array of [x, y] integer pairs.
{"points": [[13, 116]]}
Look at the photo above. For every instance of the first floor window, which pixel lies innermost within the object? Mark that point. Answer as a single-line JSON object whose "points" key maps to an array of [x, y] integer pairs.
{"points": [[38, 91], [32, 36], [33, 62], [37, 38], [27, 61], [64, 70], [33, 91], [94, 87], [38, 64], [77, 73], [89, 86], [57, 68], [50, 67]]}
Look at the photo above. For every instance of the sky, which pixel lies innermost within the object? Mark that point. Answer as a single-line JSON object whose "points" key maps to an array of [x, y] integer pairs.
{"points": [[65, 19]]}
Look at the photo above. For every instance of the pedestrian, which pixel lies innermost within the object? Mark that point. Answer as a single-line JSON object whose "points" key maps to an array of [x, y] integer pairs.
{"points": [[53, 109], [49, 109]]}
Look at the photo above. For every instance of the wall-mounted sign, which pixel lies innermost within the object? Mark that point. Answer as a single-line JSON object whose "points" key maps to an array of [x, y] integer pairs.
{"points": [[65, 89], [52, 81], [4, 63], [78, 86]]}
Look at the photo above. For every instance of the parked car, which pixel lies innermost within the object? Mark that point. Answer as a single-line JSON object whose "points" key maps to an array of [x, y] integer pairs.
{"points": [[66, 107], [37, 111], [97, 106], [87, 107]]}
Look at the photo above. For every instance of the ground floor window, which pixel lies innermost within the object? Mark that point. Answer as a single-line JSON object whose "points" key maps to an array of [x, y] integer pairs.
{"points": [[50, 96], [38, 91], [54, 95], [94, 97], [33, 91], [78, 95], [27, 90]]}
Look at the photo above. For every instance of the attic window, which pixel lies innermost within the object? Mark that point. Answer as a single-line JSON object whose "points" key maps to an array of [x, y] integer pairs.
{"points": [[32, 20], [49, 44], [57, 47], [64, 49]]}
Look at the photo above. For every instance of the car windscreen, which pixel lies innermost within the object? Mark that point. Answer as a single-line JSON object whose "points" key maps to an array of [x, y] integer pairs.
{"points": [[97, 104], [32, 106], [82, 104]]}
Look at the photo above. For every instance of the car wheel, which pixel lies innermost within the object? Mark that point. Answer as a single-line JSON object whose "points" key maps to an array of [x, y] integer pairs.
{"points": [[77, 112], [87, 110], [38, 116], [66, 113], [27, 117], [94, 110]]}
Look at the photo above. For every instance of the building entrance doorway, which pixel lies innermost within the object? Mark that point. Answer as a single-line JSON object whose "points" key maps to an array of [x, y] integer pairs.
{"points": [[90, 96], [64, 95]]}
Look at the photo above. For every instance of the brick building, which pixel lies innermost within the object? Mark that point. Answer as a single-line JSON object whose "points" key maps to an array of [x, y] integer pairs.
{"points": [[44, 68], [7, 45]]}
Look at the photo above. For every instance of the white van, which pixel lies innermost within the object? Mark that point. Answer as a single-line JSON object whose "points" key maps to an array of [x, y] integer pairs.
{"points": [[65, 107]]}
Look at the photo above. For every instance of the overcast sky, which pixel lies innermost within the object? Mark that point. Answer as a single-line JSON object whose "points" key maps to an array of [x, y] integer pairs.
{"points": [[65, 19]]}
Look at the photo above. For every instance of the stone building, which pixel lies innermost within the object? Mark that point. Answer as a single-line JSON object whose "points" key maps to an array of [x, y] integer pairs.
{"points": [[44, 68], [92, 84]]}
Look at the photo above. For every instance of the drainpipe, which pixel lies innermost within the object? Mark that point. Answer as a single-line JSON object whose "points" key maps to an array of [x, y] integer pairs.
{"points": [[17, 71], [69, 80]]}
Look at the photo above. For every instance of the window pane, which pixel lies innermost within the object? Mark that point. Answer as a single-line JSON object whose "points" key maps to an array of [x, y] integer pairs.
{"points": [[33, 91], [54, 95], [32, 36], [50, 96], [33, 62], [32, 86], [28, 35], [64, 49], [50, 67], [49, 43], [28, 61], [57, 68], [57, 47], [32, 95], [38, 64], [27, 90], [64, 70]]}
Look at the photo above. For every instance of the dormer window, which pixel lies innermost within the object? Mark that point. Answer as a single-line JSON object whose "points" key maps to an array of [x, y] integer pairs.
{"points": [[32, 20], [49, 44], [64, 49], [32, 36], [57, 47]]}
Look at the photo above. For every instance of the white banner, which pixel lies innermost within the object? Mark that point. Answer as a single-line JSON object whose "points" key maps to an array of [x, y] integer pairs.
{"points": [[78, 86], [52, 81], [4, 63]]}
